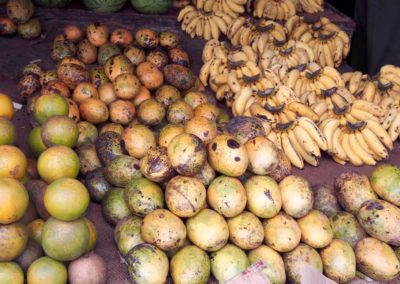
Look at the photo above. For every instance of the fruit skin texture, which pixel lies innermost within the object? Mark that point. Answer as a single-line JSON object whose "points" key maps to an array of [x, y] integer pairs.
{"points": [[163, 229], [14, 200], [50, 105], [127, 234], [7, 131], [106, 6], [59, 130], [7, 107], [297, 258], [151, 7], [20, 11], [143, 261], [11, 272], [352, 189], [13, 240], [208, 230], [339, 261], [274, 270], [66, 199], [58, 162], [246, 230], [228, 262], [297, 197], [65, 241], [90, 268], [385, 180], [315, 229], [114, 206], [47, 271], [190, 265], [346, 227], [381, 220], [13, 162], [376, 259]]}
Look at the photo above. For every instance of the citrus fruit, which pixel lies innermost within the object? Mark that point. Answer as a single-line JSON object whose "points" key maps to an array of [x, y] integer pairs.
{"points": [[35, 142], [6, 106], [13, 240], [59, 130], [14, 200], [11, 272], [66, 199], [13, 162], [65, 241], [58, 162], [7, 132], [50, 105], [35, 229], [92, 234], [45, 270]]}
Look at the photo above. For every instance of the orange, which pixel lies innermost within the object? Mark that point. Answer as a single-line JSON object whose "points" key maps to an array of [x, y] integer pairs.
{"points": [[7, 132], [59, 130], [6, 106], [11, 272], [58, 162], [92, 234], [35, 142], [45, 270], [14, 200], [50, 105], [35, 229], [13, 162], [66, 199]]}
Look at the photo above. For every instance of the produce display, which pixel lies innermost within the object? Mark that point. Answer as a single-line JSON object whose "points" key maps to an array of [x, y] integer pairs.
{"points": [[19, 19], [196, 195]]}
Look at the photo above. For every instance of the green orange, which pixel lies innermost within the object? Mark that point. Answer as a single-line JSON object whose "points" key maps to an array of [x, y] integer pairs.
{"points": [[11, 272], [58, 162], [6, 106], [13, 162], [59, 130], [14, 200], [7, 132], [45, 270], [50, 105], [66, 199], [35, 141]]}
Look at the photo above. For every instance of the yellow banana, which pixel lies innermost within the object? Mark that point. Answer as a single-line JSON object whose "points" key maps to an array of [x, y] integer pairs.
{"points": [[207, 30], [257, 110], [381, 133], [337, 146], [204, 73], [215, 32], [298, 146], [351, 155], [290, 152], [241, 99], [314, 132], [394, 128], [368, 107], [365, 157], [221, 24], [303, 110], [355, 82], [389, 117], [328, 131], [374, 143], [307, 141], [185, 11]]}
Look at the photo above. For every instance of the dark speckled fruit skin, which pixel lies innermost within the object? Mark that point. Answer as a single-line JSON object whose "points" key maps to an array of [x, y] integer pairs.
{"points": [[108, 146], [106, 51], [179, 76], [244, 128], [20, 11], [97, 184]]}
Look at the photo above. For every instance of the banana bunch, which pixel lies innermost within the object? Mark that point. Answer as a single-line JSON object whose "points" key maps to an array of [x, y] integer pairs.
{"points": [[301, 141], [282, 57], [311, 81], [246, 31], [232, 7], [312, 6], [363, 142], [274, 9], [208, 25]]}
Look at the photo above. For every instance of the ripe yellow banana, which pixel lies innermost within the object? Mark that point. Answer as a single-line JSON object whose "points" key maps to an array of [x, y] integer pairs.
{"points": [[394, 128], [374, 143], [351, 155], [308, 143], [314, 132], [290, 152], [380, 132], [300, 149]]}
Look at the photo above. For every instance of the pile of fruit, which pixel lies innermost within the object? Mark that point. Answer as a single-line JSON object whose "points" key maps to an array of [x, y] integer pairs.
{"points": [[19, 19]]}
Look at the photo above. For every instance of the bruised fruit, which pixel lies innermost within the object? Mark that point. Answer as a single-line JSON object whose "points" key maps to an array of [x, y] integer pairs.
{"points": [[19, 11], [117, 65], [126, 86], [122, 111], [143, 196], [7, 27], [108, 146], [167, 94], [135, 54], [13, 162], [187, 154], [121, 37], [97, 33], [179, 112], [73, 33], [325, 200], [150, 112], [107, 51], [147, 38], [245, 128], [87, 133], [122, 169], [227, 196], [168, 133], [86, 52], [179, 76], [168, 40], [163, 229], [97, 184], [246, 230], [156, 166], [32, 252], [31, 29], [263, 155], [185, 196]]}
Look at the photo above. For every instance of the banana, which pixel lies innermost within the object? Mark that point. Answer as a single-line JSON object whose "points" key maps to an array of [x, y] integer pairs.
{"points": [[337, 146], [381, 133], [208, 5], [234, 26], [368, 107], [308, 143], [355, 81], [328, 132], [292, 77], [214, 67], [389, 118], [208, 50], [207, 30], [290, 152], [369, 91], [361, 115], [185, 11], [320, 108], [351, 155], [235, 7], [257, 110], [364, 145], [221, 24], [233, 82], [303, 110], [314, 132], [297, 145], [273, 138], [387, 103], [241, 99], [328, 55], [191, 27], [200, 27], [204, 73], [215, 32], [394, 128], [374, 143]]}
